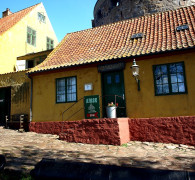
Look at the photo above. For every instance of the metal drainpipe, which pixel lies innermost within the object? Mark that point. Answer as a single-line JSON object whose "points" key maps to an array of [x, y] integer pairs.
{"points": [[31, 95]]}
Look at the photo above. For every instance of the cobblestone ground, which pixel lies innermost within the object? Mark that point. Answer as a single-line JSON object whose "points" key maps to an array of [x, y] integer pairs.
{"points": [[24, 150]]}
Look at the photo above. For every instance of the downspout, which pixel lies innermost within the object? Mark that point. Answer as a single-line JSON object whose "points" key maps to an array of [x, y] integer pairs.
{"points": [[31, 96]]}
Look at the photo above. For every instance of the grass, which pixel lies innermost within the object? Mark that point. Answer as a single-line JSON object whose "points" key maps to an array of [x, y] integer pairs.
{"points": [[124, 145]]}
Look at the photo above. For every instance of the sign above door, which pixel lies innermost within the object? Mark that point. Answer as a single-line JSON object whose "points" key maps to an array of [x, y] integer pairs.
{"points": [[111, 67]]}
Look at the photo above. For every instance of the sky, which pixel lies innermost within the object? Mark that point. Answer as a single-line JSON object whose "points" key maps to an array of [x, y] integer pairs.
{"points": [[66, 16]]}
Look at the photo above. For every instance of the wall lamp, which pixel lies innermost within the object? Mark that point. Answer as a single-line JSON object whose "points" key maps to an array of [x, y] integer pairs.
{"points": [[135, 72]]}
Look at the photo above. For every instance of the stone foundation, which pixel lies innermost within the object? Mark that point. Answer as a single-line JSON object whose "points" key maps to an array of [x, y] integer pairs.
{"points": [[178, 130], [96, 131]]}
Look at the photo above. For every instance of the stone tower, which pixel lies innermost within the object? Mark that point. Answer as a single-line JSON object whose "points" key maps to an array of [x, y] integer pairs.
{"points": [[109, 11]]}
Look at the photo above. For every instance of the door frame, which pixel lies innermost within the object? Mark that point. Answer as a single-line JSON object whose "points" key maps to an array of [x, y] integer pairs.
{"points": [[102, 90]]}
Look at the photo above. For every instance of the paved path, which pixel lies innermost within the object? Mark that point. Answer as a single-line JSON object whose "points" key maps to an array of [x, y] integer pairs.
{"points": [[24, 150]]}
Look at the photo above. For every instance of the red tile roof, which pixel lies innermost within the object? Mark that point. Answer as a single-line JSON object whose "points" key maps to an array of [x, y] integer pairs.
{"points": [[114, 41], [9, 21]]}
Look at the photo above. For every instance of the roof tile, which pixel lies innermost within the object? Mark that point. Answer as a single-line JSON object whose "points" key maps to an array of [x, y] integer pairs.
{"points": [[9, 21], [114, 41]]}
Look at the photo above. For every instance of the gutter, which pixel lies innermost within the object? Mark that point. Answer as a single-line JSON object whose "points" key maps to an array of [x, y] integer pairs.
{"points": [[31, 97], [108, 60]]}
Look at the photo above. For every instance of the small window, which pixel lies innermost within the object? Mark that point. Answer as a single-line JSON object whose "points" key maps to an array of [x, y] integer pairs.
{"points": [[169, 79], [66, 90], [31, 36], [115, 3], [41, 17], [50, 43], [136, 36], [29, 64]]}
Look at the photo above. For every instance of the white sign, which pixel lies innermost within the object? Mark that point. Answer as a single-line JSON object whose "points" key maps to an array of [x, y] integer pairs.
{"points": [[88, 87], [1, 100]]}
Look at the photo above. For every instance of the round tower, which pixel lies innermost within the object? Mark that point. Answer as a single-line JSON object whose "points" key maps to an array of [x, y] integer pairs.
{"points": [[109, 11]]}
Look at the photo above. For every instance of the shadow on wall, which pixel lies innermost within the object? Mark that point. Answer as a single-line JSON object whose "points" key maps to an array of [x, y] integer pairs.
{"points": [[20, 93]]}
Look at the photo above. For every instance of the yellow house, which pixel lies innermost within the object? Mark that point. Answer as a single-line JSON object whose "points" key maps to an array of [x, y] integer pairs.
{"points": [[99, 61], [26, 31], [26, 38]]}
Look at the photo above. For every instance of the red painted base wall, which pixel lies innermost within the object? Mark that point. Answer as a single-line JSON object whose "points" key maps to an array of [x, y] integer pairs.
{"points": [[96, 131], [179, 130]]}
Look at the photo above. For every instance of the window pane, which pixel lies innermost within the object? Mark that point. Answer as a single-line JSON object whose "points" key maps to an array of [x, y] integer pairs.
{"points": [[34, 33], [157, 71], [173, 78], [180, 77], [33, 40], [61, 90], [159, 80], [109, 81], [173, 69], [71, 89], [165, 89], [164, 69], [179, 67], [165, 79], [74, 89], [159, 89], [174, 88], [73, 97], [28, 38], [181, 87]]}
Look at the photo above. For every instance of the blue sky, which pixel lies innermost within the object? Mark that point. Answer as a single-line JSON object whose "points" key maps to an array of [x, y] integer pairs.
{"points": [[65, 16]]}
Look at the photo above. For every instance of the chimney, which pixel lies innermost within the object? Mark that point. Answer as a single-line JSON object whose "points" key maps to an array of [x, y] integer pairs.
{"points": [[6, 13]]}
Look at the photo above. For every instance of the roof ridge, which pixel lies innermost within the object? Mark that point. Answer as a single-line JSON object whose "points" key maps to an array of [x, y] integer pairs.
{"points": [[126, 20]]}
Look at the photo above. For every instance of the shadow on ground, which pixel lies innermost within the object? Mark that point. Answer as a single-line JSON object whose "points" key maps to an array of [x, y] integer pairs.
{"points": [[25, 158]]}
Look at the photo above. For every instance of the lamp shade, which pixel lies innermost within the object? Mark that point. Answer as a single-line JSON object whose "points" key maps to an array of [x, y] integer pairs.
{"points": [[135, 69]]}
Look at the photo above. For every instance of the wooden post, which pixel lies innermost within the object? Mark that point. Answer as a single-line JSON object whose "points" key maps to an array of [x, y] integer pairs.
{"points": [[6, 120]]}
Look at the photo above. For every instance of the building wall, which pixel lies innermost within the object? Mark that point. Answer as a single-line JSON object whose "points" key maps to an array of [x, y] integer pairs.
{"points": [[106, 11], [139, 104], [13, 43], [20, 91]]}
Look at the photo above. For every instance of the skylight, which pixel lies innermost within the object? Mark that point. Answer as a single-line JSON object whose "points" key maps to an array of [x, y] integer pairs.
{"points": [[138, 35], [182, 27]]}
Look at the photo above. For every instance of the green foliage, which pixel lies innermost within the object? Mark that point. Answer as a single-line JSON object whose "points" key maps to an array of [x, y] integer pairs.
{"points": [[14, 175], [124, 145]]}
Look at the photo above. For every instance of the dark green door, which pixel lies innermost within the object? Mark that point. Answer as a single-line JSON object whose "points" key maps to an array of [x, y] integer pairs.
{"points": [[114, 91], [5, 103]]}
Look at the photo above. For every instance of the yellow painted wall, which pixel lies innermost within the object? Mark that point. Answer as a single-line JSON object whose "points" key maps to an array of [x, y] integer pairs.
{"points": [[13, 43], [146, 104], [45, 107], [20, 91], [141, 104]]}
